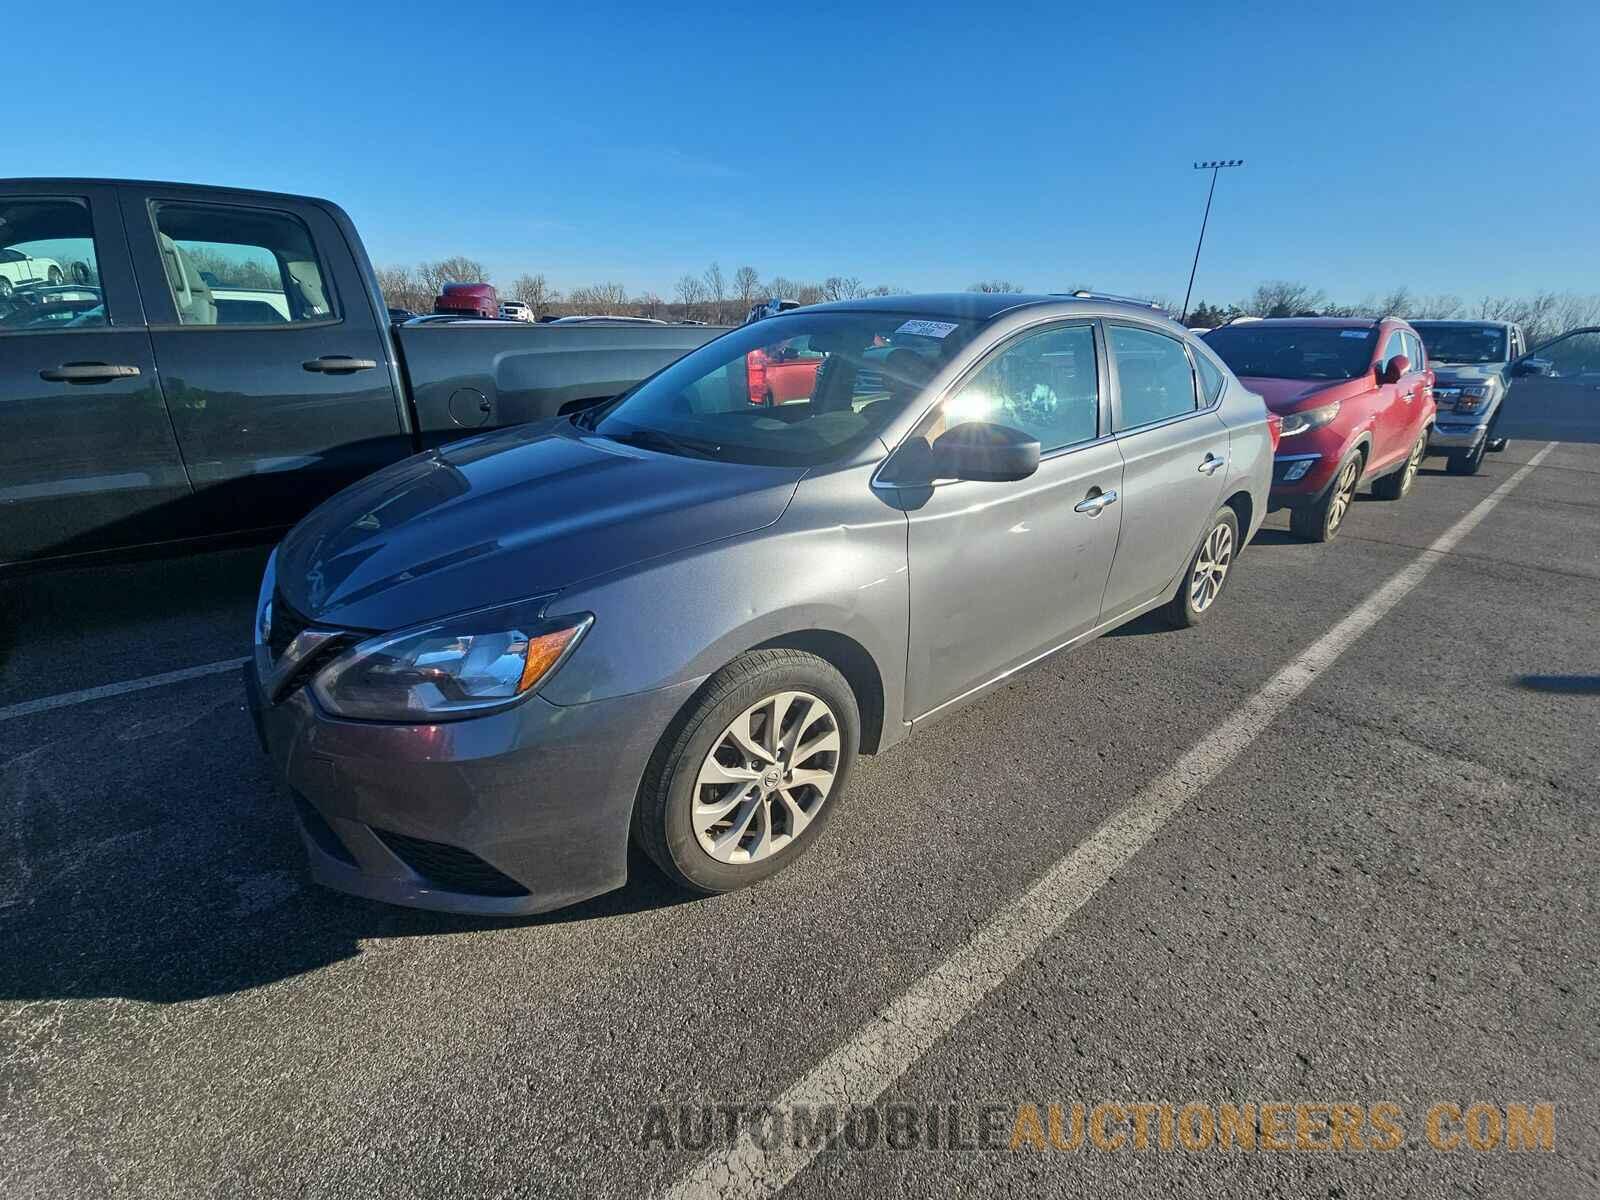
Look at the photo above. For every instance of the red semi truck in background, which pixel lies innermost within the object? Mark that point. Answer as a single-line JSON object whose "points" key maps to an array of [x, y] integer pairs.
{"points": [[468, 300]]}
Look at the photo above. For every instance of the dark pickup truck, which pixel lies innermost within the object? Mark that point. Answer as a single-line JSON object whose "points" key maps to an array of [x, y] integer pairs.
{"points": [[182, 362]]}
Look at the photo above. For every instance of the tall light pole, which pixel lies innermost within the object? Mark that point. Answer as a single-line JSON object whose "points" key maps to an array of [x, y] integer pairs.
{"points": [[1213, 166]]}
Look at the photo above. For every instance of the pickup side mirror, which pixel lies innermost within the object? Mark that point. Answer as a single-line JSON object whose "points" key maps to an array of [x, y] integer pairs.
{"points": [[979, 450], [1525, 366], [1398, 366]]}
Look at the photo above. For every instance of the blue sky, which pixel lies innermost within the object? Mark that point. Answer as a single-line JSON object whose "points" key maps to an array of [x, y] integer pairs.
{"points": [[1451, 147]]}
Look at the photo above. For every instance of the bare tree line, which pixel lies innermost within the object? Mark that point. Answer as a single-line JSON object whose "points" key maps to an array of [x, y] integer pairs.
{"points": [[719, 299], [710, 296], [1542, 315]]}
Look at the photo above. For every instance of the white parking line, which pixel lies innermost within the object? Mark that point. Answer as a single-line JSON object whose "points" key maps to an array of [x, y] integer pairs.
{"points": [[45, 703], [862, 1069]]}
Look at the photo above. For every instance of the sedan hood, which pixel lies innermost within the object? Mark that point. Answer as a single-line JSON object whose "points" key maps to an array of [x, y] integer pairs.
{"points": [[1287, 395], [510, 515]]}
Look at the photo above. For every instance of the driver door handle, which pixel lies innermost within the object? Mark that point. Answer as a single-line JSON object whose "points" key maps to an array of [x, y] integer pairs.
{"points": [[87, 372], [1411, 395], [1095, 502], [338, 364], [1209, 464]]}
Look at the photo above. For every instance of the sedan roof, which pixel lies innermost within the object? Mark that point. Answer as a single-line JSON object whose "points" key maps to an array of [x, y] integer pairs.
{"points": [[985, 306]]}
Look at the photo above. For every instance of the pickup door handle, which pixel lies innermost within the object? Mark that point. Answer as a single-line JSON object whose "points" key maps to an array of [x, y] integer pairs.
{"points": [[1094, 502], [1210, 463], [338, 364], [87, 372]]}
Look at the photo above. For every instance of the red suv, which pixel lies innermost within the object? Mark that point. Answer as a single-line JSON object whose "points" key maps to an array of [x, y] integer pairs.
{"points": [[1356, 401]]}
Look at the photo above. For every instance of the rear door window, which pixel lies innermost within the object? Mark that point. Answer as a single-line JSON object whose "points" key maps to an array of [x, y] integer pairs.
{"points": [[229, 265], [1415, 352], [1154, 379], [49, 271]]}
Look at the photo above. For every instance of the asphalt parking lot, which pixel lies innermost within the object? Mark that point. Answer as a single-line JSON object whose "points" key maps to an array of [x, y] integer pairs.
{"points": [[1384, 890]]}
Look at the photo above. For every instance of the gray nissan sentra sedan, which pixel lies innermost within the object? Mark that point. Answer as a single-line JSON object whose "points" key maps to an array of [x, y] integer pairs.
{"points": [[679, 616]]}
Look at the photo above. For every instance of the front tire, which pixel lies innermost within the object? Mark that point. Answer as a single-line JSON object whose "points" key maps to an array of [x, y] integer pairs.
{"points": [[749, 773], [1322, 521], [1467, 462], [1206, 574]]}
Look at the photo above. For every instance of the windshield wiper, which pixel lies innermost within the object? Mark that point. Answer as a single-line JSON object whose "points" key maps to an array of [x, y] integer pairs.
{"points": [[671, 443]]}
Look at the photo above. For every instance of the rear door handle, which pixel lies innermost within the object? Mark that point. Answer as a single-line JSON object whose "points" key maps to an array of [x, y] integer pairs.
{"points": [[1411, 395], [1209, 464], [338, 364], [1095, 502], [87, 372]]}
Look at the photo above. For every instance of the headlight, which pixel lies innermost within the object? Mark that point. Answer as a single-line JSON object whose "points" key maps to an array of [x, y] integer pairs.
{"points": [[1474, 397], [1309, 418], [456, 667]]}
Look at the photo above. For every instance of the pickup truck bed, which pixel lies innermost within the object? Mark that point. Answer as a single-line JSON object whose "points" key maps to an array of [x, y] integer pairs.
{"points": [[144, 403]]}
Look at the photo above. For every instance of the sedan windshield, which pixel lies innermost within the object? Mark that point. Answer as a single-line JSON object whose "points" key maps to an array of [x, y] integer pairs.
{"points": [[1293, 351], [794, 390], [1463, 343]]}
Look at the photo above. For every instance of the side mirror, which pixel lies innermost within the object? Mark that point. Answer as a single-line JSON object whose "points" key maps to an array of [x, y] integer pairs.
{"points": [[1398, 366], [981, 451], [1524, 366]]}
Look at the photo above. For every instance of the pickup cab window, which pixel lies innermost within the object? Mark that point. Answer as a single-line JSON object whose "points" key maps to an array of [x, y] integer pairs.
{"points": [[49, 273], [241, 266]]}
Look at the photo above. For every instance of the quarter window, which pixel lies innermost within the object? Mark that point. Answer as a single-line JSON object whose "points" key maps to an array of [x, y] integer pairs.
{"points": [[1211, 379], [49, 272], [1154, 378], [241, 266], [1045, 384]]}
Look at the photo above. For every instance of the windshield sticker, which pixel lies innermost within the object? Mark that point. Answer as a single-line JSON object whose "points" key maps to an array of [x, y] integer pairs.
{"points": [[933, 329], [1360, 333]]}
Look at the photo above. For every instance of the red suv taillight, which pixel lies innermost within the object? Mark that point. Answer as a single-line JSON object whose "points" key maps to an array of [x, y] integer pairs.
{"points": [[755, 364]]}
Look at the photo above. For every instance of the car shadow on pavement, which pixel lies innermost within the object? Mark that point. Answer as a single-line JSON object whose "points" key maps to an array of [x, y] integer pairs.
{"points": [[1561, 685], [1277, 537], [216, 905]]}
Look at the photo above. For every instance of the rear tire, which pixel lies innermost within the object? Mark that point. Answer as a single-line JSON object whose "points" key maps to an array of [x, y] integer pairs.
{"points": [[55, 275], [731, 752], [1207, 573], [1397, 484], [1467, 462], [1322, 521]]}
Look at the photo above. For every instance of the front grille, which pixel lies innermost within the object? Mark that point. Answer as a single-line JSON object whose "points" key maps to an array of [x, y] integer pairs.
{"points": [[450, 867]]}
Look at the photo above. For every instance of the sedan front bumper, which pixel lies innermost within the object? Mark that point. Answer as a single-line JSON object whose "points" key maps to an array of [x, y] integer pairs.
{"points": [[518, 811]]}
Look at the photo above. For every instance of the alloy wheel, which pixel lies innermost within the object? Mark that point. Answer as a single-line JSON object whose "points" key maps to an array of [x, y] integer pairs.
{"points": [[766, 778], [1412, 464], [1211, 567], [1344, 491]]}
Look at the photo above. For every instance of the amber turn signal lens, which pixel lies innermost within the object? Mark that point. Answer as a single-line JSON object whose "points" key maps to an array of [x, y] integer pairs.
{"points": [[543, 653]]}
